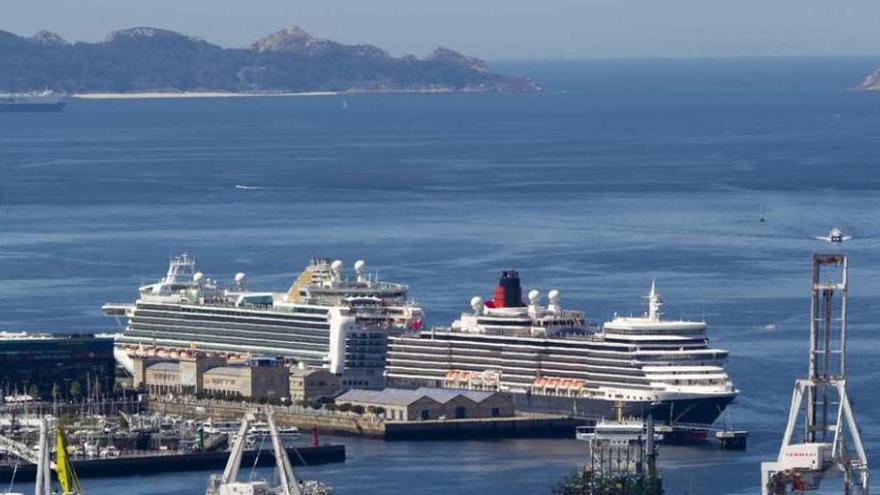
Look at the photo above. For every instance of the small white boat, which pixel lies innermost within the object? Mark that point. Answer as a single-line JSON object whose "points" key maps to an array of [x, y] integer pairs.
{"points": [[210, 426], [621, 430], [260, 435]]}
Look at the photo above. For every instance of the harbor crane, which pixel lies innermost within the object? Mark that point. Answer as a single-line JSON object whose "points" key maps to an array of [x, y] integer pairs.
{"points": [[819, 402]]}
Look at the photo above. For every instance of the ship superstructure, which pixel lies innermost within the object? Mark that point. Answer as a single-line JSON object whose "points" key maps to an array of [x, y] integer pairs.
{"points": [[552, 359], [325, 319]]}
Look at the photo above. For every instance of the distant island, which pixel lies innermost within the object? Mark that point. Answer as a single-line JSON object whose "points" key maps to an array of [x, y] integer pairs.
{"points": [[154, 60], [871, 83]]}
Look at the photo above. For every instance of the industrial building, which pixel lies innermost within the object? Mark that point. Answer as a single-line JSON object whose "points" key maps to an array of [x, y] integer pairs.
{"points": [[431, 403], [41, 365]]}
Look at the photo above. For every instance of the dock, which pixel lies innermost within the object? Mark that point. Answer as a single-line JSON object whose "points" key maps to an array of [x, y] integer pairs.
{"points": [[530, 425], [690, 433], [152, 462], [545, 426]]}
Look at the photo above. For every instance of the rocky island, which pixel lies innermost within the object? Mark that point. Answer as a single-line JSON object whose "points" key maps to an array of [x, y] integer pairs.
{"points": [[291, 60], [871, 83]]}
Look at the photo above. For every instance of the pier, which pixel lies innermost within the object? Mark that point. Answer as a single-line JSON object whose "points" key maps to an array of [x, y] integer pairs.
{"points": [[690, 433], [484, 428]]}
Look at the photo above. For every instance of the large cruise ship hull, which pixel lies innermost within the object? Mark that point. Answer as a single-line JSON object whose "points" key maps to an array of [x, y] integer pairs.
{"points": [[700, 410], [580, 377]]}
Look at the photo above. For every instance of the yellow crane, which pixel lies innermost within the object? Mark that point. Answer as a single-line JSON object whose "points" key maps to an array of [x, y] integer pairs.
{"points": [[66, 474]]}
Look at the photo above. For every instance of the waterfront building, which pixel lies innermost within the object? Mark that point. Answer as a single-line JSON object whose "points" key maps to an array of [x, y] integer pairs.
{"points": [[43, 365], [183, 374], [252, 381], [312, 384], [255, 378], [431, 403]]}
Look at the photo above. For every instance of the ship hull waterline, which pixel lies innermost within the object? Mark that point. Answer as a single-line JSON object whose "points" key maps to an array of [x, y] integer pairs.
{"points": [[696, 410]]}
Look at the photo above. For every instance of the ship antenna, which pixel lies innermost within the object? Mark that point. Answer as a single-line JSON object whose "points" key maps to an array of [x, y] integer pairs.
{"points": [[654, 302]]}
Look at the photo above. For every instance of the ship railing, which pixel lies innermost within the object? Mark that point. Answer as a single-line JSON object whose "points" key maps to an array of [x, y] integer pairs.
{"points": [[117, 305], [176, 298]]}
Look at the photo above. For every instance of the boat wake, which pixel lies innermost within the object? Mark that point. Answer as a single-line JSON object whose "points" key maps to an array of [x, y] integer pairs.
{"points": [[250, 188]]}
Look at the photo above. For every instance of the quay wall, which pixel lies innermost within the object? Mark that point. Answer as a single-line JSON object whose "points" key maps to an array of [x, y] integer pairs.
{"points": [[516, 427], [371, 425], [304, 418], [154, 462]]}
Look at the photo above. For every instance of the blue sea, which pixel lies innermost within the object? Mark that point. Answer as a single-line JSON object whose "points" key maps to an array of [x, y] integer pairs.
{"points": [[618, 173]]}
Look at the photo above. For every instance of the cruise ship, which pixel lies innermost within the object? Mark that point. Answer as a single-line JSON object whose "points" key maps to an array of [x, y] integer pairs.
{"points": [[324, 319], [45, 101], [553, 360]]}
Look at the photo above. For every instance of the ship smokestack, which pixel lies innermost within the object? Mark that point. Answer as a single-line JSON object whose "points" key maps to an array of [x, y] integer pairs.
{"points": [[508, 294]]}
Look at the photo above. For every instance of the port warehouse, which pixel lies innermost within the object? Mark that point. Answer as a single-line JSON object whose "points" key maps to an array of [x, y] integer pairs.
{"points": [[431, 403], [60, 365]]}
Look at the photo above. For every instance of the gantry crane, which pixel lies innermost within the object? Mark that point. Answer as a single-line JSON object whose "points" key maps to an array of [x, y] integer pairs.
{"points": [[830, 436]]}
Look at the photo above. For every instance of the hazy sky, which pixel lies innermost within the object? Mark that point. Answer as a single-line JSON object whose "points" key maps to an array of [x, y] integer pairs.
{"points": [[494, 29]]}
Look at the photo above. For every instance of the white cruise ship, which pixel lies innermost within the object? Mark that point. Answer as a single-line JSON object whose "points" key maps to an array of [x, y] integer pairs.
{"points": [[552, 360], [324, 319]]}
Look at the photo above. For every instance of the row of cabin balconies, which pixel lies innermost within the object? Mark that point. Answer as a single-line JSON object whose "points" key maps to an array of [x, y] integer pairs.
{"points": [[240, 327], [526, 374], [499, 361], [195, 311], [482, 347], [230, 343]]}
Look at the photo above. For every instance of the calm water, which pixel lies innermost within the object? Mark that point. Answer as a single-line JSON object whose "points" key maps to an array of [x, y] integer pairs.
{"points": [[621, 172]]}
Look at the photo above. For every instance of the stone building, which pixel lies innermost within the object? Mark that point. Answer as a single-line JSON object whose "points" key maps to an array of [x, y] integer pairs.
{"points": [[189, 365], [312, 384], [198, 373], [162, 377], [431, 403], [256, 379]]}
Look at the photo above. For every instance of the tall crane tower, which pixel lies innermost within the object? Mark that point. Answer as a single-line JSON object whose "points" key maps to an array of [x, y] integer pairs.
{"points": [[830, 438]]}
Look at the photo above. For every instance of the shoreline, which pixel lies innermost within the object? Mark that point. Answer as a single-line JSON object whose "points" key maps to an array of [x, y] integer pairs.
{"points": [[142, 95], [189, 94]]}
